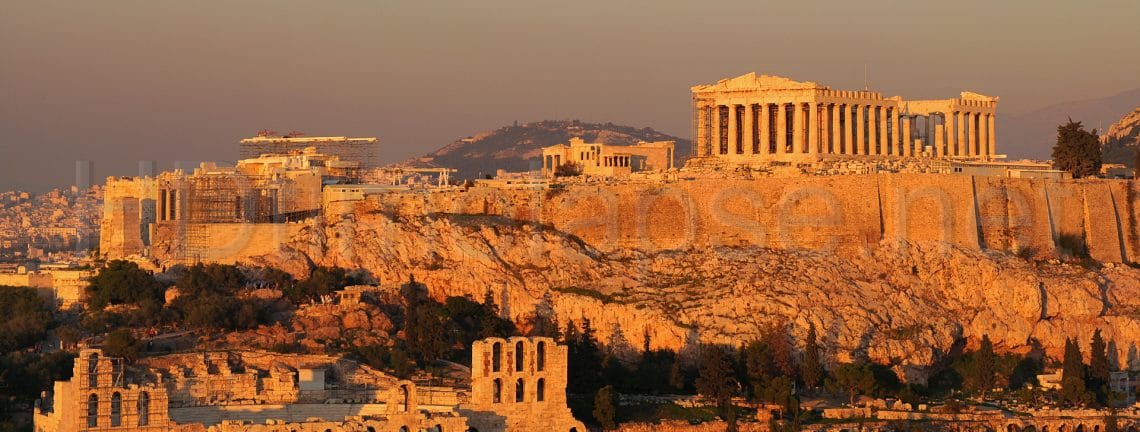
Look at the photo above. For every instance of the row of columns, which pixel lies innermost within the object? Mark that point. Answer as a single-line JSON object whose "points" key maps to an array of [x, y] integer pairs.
{"points": [[836, 128]]}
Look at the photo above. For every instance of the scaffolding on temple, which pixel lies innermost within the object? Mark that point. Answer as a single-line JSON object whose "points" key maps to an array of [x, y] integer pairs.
{"points": [[363, 150]]}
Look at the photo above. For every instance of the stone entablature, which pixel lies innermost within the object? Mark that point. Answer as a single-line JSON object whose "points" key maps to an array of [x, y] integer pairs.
{"points": [[771, 118]]}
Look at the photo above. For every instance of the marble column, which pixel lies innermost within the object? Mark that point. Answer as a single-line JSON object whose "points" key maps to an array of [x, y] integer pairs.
{"points": [[716, 135], [781, 129], [884, 144], [949, 128], [860, 130], [813, 128], [798, 128], [764, 129], [852, 144], [940, 139], [749, 130], [991, 135], [983, 135], [733, 129], [907, 141], [702, 131], [969, 128], [976, 124], [833, 113], [891, 132], [960, 134]]}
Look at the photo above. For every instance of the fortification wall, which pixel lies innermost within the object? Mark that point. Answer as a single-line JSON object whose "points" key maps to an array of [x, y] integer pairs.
{"points": [[1032, 217], [226, 243]]}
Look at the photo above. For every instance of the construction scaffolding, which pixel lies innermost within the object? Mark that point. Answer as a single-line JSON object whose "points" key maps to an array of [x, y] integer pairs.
{"points": [[366, 151]]}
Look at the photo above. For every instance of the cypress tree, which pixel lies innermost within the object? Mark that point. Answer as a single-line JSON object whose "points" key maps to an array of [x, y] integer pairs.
{"points": [[1072, 374], [1098, 366], [985, 366], [812, 370]]}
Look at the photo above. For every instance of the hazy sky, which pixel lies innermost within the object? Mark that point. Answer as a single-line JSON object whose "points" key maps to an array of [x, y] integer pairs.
{"points": [[120, 81]]}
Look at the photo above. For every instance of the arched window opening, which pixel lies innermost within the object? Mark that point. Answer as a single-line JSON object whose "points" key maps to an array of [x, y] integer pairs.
{"points": [[144, 409], [518, 356], [497, 391], [403, 429], [496, 357], [520, 390], [93, 411], [117, 372], [540, 356], [116, 410], [405, 398], [93, 370], [540, 390]]}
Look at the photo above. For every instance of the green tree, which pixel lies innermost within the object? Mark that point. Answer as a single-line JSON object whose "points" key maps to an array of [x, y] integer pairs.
{"points": [[121, 343], [716, 381], [321, 281], [584, 359], [853, 379], [24, 317], [812, 371], [1072, 374], [122, 282], [605, 410], [423, 324], [1077, 150]]}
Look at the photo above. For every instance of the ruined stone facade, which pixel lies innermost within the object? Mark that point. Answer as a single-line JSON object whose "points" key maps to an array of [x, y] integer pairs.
{"points": [[766, 118], [609, 160], [521, 382], [258, 391]]}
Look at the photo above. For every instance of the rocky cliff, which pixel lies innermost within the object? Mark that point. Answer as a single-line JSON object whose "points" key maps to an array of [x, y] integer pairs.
{"points": [[901, 302], [519, 147], [1122, 139]]}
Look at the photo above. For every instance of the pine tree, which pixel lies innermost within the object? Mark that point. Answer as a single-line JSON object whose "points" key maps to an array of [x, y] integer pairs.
{"points": [[812, 370], [716, 382], [1077, 150], [853, 379]]}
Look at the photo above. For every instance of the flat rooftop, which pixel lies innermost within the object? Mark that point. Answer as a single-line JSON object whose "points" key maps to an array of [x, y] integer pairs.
{"points": [[314, 140]]}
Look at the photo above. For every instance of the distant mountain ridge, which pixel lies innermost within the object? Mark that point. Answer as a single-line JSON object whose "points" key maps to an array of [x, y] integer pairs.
{"points": [[519, 147], [1034, 133]]}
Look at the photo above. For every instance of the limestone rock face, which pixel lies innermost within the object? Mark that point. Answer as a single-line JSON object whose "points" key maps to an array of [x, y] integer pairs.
{"points": [[905, 304]]}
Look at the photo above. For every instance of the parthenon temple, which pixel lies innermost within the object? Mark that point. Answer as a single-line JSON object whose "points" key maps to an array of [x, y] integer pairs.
{"points": [[769, 118]]}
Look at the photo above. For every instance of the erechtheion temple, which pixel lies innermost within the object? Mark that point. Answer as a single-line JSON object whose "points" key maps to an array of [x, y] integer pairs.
{"points": [[609, 160], [516, 384], [771, 118]]}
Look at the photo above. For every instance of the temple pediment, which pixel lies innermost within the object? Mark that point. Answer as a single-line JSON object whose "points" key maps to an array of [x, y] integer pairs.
{"points": [[750, 81], [968, 95]]}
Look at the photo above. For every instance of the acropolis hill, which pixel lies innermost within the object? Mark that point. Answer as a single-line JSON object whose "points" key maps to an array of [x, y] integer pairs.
{"points": [[897, 248]]}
